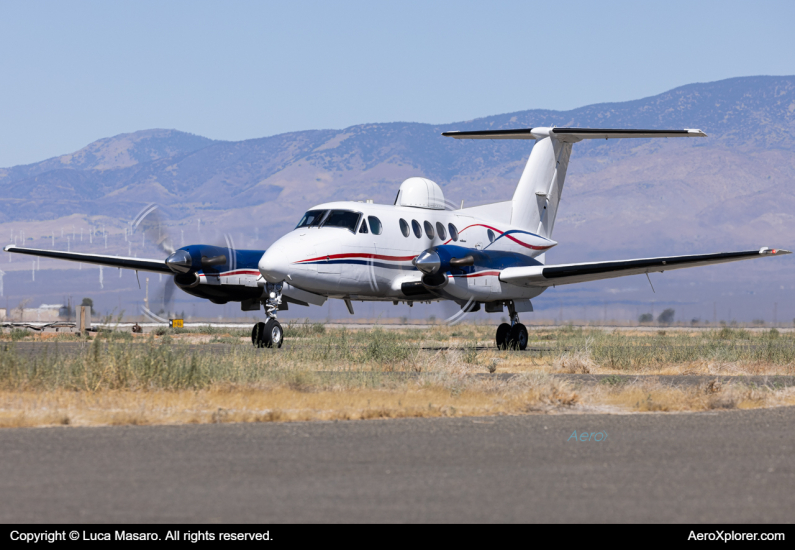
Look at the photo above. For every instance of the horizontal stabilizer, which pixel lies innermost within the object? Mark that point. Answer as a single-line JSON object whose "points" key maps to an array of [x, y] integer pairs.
{"points": [[553, 275], [139, 264], [572, 134]]}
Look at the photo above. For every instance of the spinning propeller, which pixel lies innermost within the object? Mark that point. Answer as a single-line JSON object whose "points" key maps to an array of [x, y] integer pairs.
{"points": [[151, 224]]}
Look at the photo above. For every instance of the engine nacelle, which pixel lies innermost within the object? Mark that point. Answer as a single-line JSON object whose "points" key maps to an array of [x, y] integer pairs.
{"points": [[444, 268], [190, 259], [443, 258], [448, 258]]}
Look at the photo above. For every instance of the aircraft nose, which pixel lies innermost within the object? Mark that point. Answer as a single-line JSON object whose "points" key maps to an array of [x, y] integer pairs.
{"points": [[274, 264]]}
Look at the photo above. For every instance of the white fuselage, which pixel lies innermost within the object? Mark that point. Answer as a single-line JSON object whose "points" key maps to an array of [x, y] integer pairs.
{"points": [[339, 263]]}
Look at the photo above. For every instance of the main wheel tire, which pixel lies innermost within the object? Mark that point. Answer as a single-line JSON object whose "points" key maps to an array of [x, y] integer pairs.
{"points": [[517, 338], [273, 334], [257, 335], [502, 335]]}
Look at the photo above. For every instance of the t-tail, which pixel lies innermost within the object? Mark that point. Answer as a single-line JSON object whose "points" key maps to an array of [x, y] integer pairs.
{"points": [[535, 201]]}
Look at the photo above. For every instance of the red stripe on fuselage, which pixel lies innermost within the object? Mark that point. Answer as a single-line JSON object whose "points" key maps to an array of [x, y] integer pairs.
{"points": [[246, 272], [517, 241], [359, 255], [478, 274]]}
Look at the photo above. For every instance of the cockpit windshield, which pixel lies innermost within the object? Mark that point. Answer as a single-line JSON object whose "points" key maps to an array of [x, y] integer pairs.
{"points": [[342, 218], [311, 218]]}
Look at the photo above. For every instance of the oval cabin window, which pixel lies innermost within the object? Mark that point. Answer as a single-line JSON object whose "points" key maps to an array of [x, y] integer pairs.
{"points": [[415, 225], [440, 231], [428, 229], [404, 227], [453, 232]]}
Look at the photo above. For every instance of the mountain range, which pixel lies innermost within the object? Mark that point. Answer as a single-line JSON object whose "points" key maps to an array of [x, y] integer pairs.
{"points": [[623, 198]]}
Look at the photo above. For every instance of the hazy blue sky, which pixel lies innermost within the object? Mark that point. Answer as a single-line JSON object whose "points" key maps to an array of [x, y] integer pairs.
{"points": [[75, 71]]}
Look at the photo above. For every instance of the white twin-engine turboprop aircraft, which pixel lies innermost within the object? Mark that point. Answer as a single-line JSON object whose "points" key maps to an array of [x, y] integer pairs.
{"points": [[416, 250]]}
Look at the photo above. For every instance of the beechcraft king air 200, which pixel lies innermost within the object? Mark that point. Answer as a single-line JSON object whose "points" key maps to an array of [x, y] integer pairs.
{"points": [[415, 249]]}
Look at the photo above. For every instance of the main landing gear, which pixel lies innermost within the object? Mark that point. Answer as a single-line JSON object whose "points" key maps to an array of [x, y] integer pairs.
{"points": [[269, 334], [513, 336]]}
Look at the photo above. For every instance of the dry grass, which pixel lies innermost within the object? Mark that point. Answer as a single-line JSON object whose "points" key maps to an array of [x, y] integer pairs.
{"points": [[659, 398], [415, 399], [345, 375]]}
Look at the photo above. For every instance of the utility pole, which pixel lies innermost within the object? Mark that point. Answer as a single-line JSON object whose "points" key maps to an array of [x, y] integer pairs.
{"points": [[146, 297], [714, 314]]}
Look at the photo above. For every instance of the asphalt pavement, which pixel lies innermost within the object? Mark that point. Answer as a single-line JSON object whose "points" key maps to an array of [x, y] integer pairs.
{"points": [[732, 466]]}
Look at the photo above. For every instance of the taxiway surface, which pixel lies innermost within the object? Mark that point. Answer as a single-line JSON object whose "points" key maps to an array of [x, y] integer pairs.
{"points": [[736, 466]]}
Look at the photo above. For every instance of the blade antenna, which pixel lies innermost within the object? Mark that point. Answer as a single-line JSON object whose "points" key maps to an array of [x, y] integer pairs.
{"points": [[652, 286]]}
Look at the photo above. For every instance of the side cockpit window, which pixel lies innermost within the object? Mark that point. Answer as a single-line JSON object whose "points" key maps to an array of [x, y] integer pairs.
{"points": [[312, 218], [363, 227], [344, 219], [375, 225]]}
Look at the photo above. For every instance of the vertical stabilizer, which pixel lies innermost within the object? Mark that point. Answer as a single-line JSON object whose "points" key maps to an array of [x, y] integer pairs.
{"points": [[535, 201]]}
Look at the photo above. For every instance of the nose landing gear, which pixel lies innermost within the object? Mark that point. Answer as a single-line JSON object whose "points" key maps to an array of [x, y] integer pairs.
{"points": [[267, 335], [513, 336], [270, 333]]}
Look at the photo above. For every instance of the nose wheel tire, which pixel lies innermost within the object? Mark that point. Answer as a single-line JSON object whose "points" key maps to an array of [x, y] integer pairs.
{"points": [[268, 334], [502, 335], [517, 337]]}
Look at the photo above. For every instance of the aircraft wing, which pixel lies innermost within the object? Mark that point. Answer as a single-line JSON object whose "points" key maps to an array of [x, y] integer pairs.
{"points": [[139, 264], [565, 274]]}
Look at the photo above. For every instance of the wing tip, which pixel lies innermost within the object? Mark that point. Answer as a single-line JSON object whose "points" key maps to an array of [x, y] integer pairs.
{"points": [[774, 251]]}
